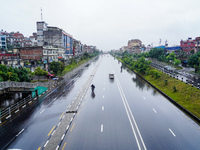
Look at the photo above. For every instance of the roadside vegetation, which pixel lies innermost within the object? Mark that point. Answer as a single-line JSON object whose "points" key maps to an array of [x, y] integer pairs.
{"points": [[14, 74], [58, 68], [184, 94]]}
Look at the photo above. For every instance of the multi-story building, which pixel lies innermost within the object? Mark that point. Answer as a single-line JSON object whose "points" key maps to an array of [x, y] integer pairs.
{"points": [[187, 45], [41, 27], [134, 46], [197, 44], [77, 48], [33, 39], [50, 53], [123, 49], [55, 36], [3, 44], [89, 48], [31, 54], [27, 42], [45, 54], [148, 48]]}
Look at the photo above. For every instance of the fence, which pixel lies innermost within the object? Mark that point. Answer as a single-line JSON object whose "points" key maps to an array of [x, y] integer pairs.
{"points": [[15, 108]]}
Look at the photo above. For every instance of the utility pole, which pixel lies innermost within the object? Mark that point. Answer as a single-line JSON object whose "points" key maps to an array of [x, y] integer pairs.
{"points": [[41, 15], [160, 42]]}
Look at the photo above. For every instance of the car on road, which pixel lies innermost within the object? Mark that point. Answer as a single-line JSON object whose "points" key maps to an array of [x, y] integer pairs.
{"points": [[50, 75], [111, 76]]}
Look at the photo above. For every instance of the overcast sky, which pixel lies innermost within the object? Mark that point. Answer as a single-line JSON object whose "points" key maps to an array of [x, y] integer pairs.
{"points": [[107, 24]]}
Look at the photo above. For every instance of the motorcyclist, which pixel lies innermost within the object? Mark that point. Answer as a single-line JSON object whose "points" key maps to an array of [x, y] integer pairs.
{"points": [[92, 87]]}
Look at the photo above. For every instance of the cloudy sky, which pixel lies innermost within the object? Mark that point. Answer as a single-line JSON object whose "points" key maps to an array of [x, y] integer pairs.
{"points": [[107, 24]]}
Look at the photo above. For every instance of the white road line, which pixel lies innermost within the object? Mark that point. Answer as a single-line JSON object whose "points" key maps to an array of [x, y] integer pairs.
{"points": [[102, 128], [172, 132], [131, 119], [57, 147], [53, 132], [46, 143], [42, 111], [103, 96], [63, 137], [154, 110], [20, 132], [144, 97], [102, 108]]}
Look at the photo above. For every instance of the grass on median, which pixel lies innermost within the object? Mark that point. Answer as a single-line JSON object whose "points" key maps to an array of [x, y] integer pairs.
{"points": [[186, 95]]}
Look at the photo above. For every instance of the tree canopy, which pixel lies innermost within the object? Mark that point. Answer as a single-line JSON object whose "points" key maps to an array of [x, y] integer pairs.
{"points": [[14, 74], [56, 67]]}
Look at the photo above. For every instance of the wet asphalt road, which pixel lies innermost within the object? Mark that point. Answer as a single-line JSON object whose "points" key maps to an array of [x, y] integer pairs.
{"points": [[124, 113]]}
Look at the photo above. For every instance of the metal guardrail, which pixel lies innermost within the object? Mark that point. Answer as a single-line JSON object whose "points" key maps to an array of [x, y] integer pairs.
{"points": [[6, 113]]}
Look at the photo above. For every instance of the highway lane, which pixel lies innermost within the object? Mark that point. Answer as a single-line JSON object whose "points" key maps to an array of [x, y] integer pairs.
{"points": [[129, 114], [157, 118], [33, 131], [95, 121]]}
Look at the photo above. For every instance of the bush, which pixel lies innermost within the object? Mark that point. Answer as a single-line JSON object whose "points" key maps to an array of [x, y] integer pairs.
{"points": [[174, 88], [155, 73], [166, 82], [39, 72]]}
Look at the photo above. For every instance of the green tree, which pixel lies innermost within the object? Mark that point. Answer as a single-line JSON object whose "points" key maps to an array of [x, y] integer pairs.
{"points": [[194, 60], [56, 67], [141, 65], [3, 68], [23, 75], [177, 62], [14, 77], [39, 72], [10, 69], [171, 57], [4, 76], [156, 52], [155, 73]]}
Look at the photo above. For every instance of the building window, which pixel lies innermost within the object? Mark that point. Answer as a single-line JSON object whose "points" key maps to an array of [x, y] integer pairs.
{"points": [[3, 39]]}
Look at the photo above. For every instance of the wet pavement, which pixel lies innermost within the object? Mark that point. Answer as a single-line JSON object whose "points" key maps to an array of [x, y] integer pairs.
{"points": [[122, 113]]}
